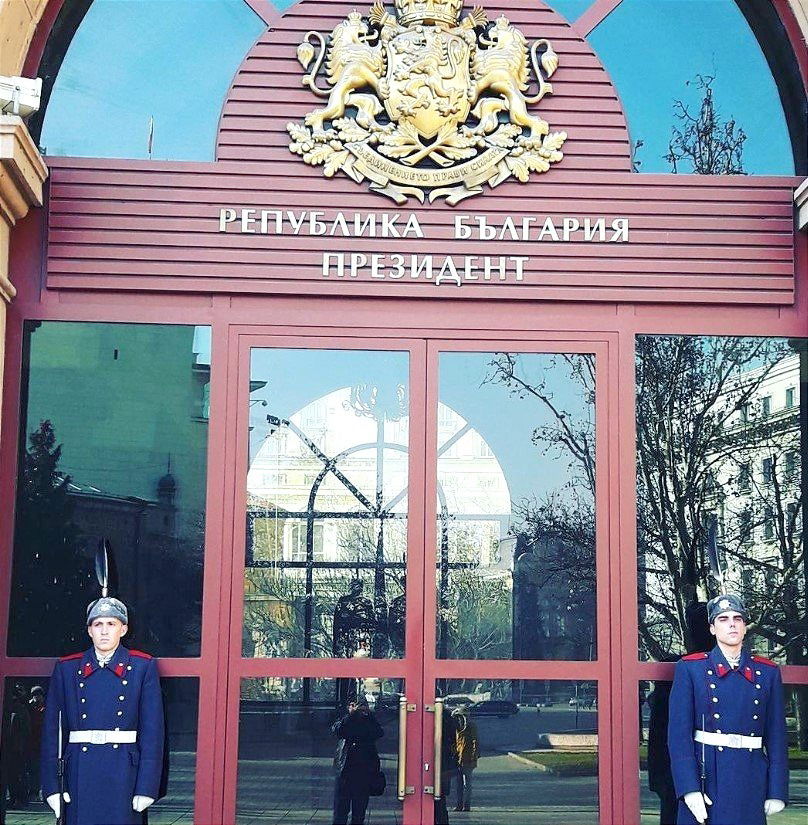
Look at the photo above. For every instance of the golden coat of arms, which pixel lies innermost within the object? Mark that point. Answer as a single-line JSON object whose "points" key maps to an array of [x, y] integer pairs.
{"points": [[422, 104]]}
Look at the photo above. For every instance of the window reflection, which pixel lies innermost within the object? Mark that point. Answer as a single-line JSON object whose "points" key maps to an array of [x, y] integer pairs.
{"points": [[166, 63], [113, 445], [522, 749], [293, 752], [516, 511], [719, 44], [719, 500], [327, 504], [21, 801]]}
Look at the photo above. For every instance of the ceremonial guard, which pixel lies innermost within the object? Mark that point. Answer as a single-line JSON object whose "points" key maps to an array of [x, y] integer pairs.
{"points": [[103, 734], [727, 728]]}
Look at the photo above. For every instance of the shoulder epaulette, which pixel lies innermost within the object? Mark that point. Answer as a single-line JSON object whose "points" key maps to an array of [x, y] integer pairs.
{"points": [[71, 656], [140, 654], [764, 661], [692, 657]]}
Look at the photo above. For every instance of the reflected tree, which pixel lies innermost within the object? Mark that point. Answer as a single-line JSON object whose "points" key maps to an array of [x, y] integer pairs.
{"points": [[559, 534], [555, 535], [703, 143], [701, 439], [278, 602], [52, 580], [475, 603]]}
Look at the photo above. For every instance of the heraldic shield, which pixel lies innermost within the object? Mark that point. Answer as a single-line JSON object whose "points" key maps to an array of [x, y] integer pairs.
{"points": [[428, 79], [425, 105]]}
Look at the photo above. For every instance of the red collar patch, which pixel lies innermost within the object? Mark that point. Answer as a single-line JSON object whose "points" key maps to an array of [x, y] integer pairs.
{"points": [[87, 670], [722, 669], [747, 672], [119, 670]]}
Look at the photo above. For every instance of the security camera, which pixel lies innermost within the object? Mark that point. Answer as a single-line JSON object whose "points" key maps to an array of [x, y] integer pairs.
{"points": [[20, 95]]}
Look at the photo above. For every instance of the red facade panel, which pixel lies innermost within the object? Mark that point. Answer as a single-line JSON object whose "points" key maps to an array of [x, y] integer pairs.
{"points": [[267, 92], [115, 223]]}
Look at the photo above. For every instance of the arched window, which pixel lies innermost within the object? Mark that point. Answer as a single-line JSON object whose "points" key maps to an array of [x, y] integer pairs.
{"points": [[144, 78], [667, 57], [147, 78]]}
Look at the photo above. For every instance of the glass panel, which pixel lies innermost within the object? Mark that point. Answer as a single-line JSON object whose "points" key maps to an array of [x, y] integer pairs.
{"points": [[295, 765], [115, 428], [720, 489], [657, 797], [516, 506], [650, 77], [521, 751], [570, 9], [23, 709], [172, 62], [327, 504]]}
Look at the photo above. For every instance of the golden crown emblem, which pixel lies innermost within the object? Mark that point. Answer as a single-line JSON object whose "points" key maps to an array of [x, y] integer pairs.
{"points": [[415, 12], [424, 105]]}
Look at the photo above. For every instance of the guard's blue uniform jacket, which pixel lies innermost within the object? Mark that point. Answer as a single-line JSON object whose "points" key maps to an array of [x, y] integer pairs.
{"points": [[102, 778], [746, 701]]}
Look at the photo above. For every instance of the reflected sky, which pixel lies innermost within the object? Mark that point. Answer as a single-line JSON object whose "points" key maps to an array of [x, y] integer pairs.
{"points": [[507, 423], [651, 48], [172, 60], [296, 378]]}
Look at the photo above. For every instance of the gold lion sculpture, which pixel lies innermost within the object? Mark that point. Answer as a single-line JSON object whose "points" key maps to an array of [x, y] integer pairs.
{"points": [[355, 61], [503, 68]]}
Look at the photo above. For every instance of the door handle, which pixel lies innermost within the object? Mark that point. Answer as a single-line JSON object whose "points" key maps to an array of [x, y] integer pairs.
{"points": [[402, 747], [438, 745]]}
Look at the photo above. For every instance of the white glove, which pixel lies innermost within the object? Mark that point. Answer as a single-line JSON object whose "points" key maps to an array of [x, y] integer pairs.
{"points": [[55, 803], [140, 803], [696, 802], [773, 806]]}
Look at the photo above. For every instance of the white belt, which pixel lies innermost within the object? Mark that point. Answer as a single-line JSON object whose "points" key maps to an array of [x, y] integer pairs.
{"points": [[102, 737], [728, 740]]}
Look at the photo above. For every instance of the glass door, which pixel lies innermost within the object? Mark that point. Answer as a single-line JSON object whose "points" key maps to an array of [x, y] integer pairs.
{"points": [[325, 665], [516, 598], [419, 583]]}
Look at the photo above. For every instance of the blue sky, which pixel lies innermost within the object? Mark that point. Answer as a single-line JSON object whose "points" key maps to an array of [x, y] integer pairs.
{"points": [[651, 48], [130, 60], [296, 378]]}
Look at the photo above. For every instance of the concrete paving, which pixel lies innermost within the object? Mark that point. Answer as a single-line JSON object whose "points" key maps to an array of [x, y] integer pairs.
{"points": [[293, 790]]}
